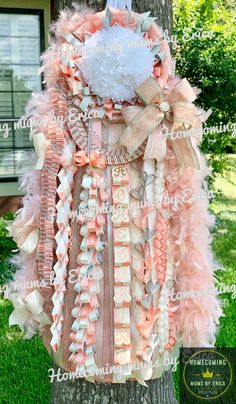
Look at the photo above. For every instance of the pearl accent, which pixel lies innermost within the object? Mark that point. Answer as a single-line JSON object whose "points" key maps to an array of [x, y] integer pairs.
{"points": [[164, 106]]}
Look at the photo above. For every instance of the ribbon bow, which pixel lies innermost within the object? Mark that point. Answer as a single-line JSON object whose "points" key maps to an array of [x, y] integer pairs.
{"points": [[95, 159], [143, 122], [30, 306]]}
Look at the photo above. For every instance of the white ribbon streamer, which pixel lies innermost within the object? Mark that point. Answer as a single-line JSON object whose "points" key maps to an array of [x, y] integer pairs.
{"points": [[31, 242], [120, 4], [40, 145]]}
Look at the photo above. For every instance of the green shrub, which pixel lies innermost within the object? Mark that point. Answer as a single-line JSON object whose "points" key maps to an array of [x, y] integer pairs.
{"points": [[209, 63], [7, 247]]}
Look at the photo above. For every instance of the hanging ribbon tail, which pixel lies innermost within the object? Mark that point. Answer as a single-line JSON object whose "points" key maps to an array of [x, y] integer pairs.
{"points": [[31, 242], [185, 153], [139, 378], [184, 114], [40, 145], [120, 4], [156, 146], [141, 122], [18, 317]]}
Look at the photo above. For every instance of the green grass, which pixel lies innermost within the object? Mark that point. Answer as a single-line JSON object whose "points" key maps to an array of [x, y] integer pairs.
{"points": [[25, 363], [224, 247]]}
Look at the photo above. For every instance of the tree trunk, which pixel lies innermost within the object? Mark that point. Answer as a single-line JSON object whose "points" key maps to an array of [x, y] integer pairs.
{"points": [[162, 9], [159, 391]]}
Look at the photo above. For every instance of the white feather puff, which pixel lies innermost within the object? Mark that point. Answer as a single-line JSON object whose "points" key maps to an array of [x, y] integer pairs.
{"points": [[115, 61]]}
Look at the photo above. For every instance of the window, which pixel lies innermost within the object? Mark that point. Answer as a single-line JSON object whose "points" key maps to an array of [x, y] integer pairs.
{"points": [[20, 48]]}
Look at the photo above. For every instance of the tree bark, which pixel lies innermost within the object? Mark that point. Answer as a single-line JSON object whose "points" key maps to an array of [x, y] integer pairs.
{"points": [[162, 9], [159, 391]]}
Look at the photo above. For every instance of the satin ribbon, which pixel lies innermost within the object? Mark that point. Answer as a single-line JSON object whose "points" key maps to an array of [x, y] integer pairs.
{"points": [[30, 243], [109, 109], [108, 18], [120, 4], [112, 111], [95, 159], [171, 344], [144, 122], [145, 327], [31, 305], [40, 144], [25, 238], [146, 354], [68, 69], [72, 40]]}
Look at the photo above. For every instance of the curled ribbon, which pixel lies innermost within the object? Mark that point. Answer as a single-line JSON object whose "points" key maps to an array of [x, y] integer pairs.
{"points": [[95, 159], [143, 122]]}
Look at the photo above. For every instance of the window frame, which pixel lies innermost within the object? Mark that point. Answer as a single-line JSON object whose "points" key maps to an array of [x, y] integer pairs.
{"points": [[23, 11], [29, 11]]}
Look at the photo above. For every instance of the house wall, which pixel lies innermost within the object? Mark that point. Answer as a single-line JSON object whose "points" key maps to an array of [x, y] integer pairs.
{"points": [[44, 5], [10, 195]]}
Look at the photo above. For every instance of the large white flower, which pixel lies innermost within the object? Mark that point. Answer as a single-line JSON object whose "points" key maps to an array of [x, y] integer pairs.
{"points": [[114, 62]]}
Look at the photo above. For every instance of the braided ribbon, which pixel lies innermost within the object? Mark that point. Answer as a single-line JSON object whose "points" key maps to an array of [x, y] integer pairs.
{"points": [[143, 122]]}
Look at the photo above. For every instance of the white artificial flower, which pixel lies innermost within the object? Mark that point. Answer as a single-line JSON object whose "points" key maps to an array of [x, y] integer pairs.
{"points": [[115, 61]]}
